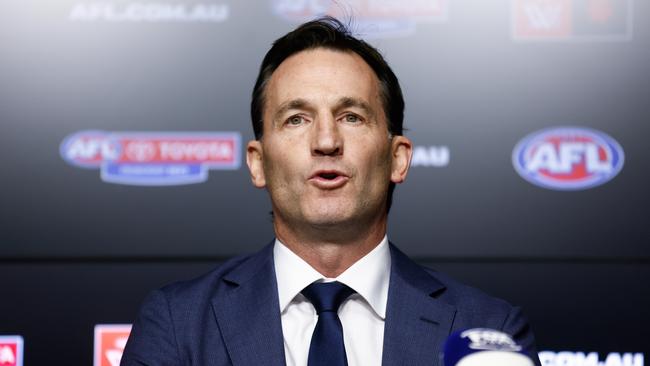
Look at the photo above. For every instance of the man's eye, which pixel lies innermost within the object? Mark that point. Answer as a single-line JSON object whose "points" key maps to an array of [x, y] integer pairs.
{"points": [[295, 120], [352, 118]]}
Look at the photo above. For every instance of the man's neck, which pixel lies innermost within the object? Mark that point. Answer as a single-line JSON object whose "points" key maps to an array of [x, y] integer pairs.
{"points": [[331, 251]]}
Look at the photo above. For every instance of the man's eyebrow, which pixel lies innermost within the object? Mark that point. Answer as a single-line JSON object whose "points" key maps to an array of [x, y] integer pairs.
{"points": [[347, 102], [289, 105]]}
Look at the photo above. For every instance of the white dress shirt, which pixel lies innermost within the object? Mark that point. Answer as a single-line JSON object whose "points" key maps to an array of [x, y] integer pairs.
{"points": [[362, 314]]}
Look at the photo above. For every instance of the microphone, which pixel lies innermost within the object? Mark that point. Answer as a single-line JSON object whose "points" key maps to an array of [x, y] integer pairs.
{"points": [[483, 347]]}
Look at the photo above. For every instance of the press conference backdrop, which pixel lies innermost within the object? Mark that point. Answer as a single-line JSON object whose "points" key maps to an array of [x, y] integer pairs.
{"points": [[123, 126]]}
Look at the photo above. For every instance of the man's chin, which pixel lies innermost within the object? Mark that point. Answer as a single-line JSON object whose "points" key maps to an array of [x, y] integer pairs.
{"points": [[326, 221], [339, 215], [320, 218]]}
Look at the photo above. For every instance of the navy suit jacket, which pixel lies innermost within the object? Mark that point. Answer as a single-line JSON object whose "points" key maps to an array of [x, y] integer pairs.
{"points": [[231, 316]]}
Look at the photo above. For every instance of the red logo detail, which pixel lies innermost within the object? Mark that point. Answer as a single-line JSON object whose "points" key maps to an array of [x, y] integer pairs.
{"points": [[11, 351], [93, 148], [600, 11], [8, 354], [110, 340], [177, 150]]}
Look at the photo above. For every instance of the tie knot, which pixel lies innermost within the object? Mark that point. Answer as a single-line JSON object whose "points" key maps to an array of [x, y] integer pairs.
{"points": [[327, 296]]}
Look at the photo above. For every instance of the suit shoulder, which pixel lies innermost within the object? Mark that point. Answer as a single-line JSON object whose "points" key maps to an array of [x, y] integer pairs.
{"points": [[201, 287], [476, 309], [468, 299], [174, 316]]}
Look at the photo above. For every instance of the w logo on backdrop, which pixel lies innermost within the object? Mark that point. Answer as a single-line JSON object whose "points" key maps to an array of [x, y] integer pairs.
{"points": [[572, 20]]}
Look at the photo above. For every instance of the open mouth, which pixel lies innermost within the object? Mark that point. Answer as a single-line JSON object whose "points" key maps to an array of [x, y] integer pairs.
{"points": [[329, 179], [328, 176]]}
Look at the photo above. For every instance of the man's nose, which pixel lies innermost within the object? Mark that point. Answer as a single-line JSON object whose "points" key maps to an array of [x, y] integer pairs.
{"points": [[327, 139]]}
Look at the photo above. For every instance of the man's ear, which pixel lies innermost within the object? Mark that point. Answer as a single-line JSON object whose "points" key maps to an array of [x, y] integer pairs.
{"points": [[401, 150], [254, 156]]}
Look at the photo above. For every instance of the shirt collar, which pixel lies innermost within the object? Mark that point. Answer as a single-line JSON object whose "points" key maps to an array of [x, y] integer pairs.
{"points": [[369, 276]]}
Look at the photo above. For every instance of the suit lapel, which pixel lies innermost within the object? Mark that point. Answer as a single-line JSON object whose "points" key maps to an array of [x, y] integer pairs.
{"points": [[416, 323], [248, 312]]}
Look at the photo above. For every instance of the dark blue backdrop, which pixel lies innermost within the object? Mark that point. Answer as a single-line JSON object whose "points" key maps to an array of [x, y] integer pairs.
{"points": [[478, 77]]}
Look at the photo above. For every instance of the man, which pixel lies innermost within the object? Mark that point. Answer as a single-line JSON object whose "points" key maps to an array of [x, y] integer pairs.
{"points": [[330, 290]]}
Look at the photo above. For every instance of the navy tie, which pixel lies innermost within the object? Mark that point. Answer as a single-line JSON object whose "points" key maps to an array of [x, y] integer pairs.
{"points": [[327, 348]]}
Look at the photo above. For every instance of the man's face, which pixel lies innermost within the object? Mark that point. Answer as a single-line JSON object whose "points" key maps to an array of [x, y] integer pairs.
{"points": [[326, 156]]}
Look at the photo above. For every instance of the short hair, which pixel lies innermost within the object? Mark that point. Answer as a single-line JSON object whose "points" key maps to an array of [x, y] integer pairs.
{"points": [[328, 33]]}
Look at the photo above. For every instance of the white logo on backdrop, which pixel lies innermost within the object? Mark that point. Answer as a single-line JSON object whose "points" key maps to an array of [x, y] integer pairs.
{"points": [[430, 156], [150, 11], [549, 358]]}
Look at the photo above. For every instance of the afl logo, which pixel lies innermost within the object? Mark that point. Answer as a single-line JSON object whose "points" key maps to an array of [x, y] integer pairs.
{"points": [[568, 158]]}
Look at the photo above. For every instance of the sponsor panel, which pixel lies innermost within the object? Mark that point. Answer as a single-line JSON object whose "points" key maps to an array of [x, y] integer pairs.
{"points": [[149, 12], [550, 358], [372, 18], [153, 158], [110, 340], [568, 158], [11, 350], [572, 20]]}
